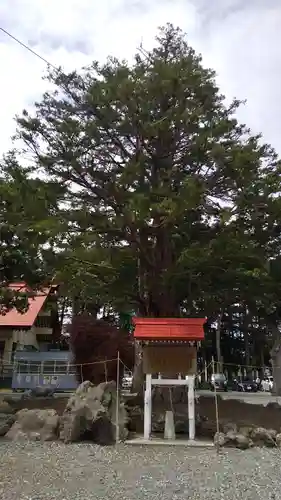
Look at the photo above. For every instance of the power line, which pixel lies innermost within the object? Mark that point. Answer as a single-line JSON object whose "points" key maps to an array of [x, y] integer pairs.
{"points": [[28, 48]]}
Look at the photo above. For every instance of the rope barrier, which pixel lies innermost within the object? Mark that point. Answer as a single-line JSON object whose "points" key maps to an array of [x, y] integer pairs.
{"points": [[236, 365], [74, 367], [117, 402]]}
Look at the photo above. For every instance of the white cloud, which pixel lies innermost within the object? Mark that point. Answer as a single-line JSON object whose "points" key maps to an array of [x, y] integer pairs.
{"points": [[239, 39]]}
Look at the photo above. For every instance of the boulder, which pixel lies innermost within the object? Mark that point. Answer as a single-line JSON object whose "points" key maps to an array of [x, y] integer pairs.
{"points": [[158, 422], [220, 439], [90, 413], [242, 442], [247, 437], [234, 439], [6, 421], [278, 440], [263, 437], [230, 439], [35, 424], [246, 430]]}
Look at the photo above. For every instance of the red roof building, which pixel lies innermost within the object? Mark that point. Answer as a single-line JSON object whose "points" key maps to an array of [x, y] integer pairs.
{"points": [[33, 327]]}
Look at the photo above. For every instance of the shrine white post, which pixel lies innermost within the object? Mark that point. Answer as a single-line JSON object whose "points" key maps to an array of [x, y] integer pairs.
{"points": [[147, 407], [189, 381], [191, 406]]}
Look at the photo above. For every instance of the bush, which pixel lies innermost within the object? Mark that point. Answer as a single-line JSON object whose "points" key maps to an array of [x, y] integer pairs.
{"points": [[94, 340]]}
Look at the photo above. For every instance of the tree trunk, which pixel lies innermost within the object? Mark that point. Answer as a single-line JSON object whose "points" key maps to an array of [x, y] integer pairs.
{"points": [[246, 322], [138, 377], [218, 342], [276, 359]]}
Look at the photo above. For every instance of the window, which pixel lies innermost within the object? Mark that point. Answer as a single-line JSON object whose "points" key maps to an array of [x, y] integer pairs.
{"points": [[43, 322], [34, 367], [48, 367], [61, 367], [23, 366], [72, 369]]}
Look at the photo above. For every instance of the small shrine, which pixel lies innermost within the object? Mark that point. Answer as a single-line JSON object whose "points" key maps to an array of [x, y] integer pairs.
{"points": [[169, 348]]}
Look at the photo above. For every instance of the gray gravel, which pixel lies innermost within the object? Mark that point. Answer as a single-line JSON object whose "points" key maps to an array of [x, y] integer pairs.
{"points": [[37, 471]]}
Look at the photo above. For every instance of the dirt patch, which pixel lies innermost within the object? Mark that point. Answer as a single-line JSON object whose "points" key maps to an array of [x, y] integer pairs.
{"points": [[234, 411], [238, 412]]}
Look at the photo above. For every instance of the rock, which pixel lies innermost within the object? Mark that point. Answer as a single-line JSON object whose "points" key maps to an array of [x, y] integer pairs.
{"points": [[242, 442], [232, 439], [263, 437], [135, 418], [91, 414], [35, 424], [158, 422], [6, 408], [6, 421], [229, 426], [220, 439], [272, 433], [246, 430], [278, 440]]}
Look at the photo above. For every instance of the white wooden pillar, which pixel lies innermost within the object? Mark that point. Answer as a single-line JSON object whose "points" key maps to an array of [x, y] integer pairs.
{"points": [[191, 406], [147, 407]]}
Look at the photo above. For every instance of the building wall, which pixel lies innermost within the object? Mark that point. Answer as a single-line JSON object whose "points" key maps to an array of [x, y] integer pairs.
{"points": [[22, 338], [170, 360], [26, 337]]}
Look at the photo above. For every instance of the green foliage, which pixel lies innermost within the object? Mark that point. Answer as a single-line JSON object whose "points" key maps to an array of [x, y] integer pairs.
{"points": [[27, 223], [153, 196], [159, 180]]}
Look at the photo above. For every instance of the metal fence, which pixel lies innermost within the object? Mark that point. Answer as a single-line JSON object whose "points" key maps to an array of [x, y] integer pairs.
{"points": [[46, 369]]}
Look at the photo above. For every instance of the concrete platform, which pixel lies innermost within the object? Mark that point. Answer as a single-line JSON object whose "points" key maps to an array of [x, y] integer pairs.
{"points": [[156, 441]]}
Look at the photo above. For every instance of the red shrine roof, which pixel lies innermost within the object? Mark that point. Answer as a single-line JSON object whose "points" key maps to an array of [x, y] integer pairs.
{"points": [[185, 329], [13, 318]]}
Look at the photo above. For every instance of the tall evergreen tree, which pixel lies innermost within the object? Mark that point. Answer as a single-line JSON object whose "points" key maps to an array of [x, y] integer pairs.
{"points": [[157, 171]]}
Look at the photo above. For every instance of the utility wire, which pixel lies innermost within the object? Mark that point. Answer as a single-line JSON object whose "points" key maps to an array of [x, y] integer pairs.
{"points": [[28, 48]]}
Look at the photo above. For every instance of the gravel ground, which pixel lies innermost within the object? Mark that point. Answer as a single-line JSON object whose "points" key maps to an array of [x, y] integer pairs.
{"points": [[37, 471]]}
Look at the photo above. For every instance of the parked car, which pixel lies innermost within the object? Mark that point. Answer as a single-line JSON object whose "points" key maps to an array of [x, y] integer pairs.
{"points": [[244, 385], [218, 381]]}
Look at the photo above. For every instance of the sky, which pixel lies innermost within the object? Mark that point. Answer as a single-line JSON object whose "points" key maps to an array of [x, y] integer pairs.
{"points": [[239, 39]]}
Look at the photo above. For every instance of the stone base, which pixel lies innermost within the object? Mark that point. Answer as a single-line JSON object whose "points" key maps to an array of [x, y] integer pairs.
{"points": [[169, 431], [155, 441]]}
